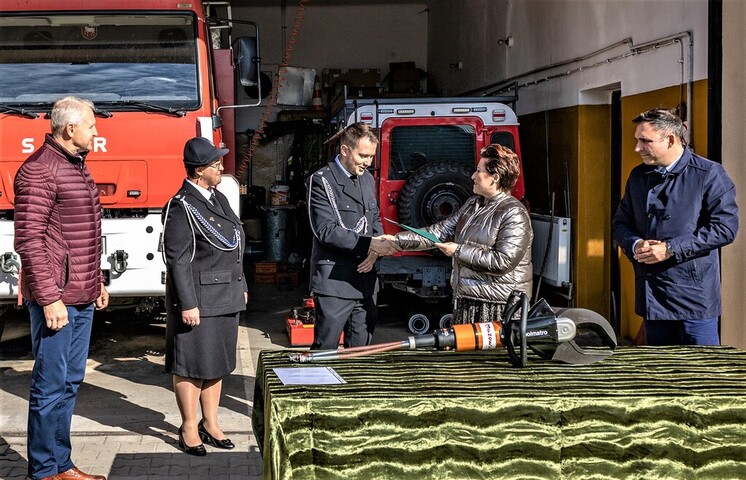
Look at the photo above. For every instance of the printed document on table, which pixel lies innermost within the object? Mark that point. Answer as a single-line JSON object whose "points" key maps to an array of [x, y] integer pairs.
{"points": [[418, 231], [308, 376]]}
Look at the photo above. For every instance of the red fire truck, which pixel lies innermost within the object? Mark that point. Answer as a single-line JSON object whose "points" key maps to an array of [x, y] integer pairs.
{"points": [[157, 76]]}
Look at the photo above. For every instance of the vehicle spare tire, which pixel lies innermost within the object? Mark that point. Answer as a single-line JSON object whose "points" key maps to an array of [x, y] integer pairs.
{"points": [[433, 192]]}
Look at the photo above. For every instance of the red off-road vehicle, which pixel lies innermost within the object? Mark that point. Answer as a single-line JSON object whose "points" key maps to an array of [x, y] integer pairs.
{"points": [[428, 150]]}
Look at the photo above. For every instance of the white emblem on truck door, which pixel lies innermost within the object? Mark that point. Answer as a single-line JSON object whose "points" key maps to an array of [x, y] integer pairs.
{"points": [[27, 145]]}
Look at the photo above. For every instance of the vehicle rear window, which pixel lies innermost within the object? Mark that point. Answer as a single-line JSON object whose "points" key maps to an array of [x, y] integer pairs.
{"points": [[503, 138], [414, 146]]}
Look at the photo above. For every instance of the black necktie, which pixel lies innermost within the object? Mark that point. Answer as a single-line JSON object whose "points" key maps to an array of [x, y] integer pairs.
{"points": [[356, 181], [215, 203]]}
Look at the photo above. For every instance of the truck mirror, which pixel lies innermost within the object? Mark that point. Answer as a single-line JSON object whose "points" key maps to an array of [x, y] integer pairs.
{"points": [[248, 61], [263, 89]]}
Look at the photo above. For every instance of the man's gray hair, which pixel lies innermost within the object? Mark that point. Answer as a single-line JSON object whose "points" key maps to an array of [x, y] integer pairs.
{"points": [[68, 110]]}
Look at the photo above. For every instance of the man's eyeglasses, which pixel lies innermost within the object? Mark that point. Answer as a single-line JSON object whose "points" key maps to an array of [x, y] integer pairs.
{"points": [[217, 165]]}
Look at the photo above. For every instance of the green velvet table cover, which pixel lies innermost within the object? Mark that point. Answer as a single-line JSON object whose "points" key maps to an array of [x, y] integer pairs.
{"points": [[644, 413]]}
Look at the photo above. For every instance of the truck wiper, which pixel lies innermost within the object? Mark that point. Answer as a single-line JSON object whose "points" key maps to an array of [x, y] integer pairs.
{"points": [[7, 108], [147, 107]]}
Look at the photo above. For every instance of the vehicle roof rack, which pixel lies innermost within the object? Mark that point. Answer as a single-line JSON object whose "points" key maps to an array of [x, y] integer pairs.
{"points": [[342, 106]]}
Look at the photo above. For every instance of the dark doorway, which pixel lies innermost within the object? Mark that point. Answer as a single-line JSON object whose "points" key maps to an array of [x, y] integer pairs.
{"points": [[616, 196]]}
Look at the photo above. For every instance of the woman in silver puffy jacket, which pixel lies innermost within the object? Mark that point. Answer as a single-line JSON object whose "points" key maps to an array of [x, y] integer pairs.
{"points": [[488, 239]]}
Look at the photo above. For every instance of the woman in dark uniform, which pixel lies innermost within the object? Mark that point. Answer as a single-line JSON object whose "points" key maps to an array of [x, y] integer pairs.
{"points": [[205, 293]]}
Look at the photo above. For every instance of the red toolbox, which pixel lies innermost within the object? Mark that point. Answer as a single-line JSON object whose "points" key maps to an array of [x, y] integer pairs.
{"points": [[299, 333], [300, 323]]}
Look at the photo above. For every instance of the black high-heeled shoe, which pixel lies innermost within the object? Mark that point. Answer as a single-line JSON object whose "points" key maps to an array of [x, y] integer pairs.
{"points": [[197, 451], [210, 440]]}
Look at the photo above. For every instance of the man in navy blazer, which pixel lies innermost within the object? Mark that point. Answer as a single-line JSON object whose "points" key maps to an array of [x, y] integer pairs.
{"points": [[678, 210], [347, 241]]}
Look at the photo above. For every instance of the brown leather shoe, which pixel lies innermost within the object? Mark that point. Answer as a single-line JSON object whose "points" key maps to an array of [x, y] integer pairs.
{"points": [[53, 477], [75, 474]]}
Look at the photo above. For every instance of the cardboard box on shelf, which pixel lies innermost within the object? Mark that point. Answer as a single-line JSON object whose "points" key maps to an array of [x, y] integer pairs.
{"points": [[360, 83], [354, 77], [265, 267], [401, 66], [264, 278], [404, 77], [359, 92]]}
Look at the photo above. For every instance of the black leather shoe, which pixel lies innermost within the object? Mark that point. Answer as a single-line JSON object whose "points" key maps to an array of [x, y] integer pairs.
{"points": [[210, 440], [197, 451]]}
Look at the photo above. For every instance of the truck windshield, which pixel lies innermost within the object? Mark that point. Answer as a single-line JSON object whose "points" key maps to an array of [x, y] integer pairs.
{"points": [[119, 58]]}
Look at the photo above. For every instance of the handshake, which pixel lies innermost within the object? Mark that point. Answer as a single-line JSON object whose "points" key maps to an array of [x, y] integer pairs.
{"points": [[383, 245], [380, 246]]}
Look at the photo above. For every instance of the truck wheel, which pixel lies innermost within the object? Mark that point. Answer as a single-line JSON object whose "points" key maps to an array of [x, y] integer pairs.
{"points": [[434, 192], [419, 324]]}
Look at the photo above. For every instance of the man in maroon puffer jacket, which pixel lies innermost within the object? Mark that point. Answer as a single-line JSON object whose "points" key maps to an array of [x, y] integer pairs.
{"points": [[58, 236]]}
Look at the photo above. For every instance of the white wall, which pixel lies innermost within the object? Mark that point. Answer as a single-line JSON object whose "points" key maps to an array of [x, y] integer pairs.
{"points": [[734, 144], [468, 30], [346, 36], [437, 34]]}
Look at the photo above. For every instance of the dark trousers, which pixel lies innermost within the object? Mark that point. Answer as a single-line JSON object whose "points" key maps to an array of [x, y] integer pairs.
{"points": [[59, 368], [356, 317], [703, 331]]}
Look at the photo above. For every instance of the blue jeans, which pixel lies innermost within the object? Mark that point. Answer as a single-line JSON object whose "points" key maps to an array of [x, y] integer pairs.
{"points": [[702, 331], [59, 368]]}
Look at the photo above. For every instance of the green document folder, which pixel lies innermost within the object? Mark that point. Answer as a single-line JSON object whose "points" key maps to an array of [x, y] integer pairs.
{"points": [[418, 231]]}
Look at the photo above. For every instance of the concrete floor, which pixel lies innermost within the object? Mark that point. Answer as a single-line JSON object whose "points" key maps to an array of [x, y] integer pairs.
{"points": [[126, 420]]}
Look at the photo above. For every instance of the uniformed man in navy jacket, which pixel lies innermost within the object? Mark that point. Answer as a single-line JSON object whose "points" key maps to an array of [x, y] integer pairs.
{"points": [[347, 241]]}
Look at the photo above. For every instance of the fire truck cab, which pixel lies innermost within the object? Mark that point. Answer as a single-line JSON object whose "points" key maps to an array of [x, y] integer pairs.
{"points": [[157, 76]]}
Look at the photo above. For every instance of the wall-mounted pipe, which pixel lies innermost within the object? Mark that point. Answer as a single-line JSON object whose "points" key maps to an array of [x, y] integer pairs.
{"points": [[485, 90], [511, 83]]}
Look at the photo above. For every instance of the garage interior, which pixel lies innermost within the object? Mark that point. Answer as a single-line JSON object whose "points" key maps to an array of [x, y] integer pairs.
{"points": [[579, 77], [581, 70]]}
